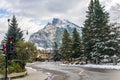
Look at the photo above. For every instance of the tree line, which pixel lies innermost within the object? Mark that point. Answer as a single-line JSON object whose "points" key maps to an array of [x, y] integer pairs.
{"points": [[99, 37]]}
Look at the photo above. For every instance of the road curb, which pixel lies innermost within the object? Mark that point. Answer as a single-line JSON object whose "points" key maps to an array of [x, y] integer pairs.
{"points": [[14, 75]]}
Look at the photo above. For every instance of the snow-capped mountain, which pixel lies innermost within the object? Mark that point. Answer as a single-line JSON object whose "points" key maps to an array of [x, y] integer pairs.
{"points": [[113, 7], [52, 32]]}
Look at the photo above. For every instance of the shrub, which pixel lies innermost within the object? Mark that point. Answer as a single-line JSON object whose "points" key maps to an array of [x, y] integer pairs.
{"points": [[12, 68], [15, 67], [2, 71]]}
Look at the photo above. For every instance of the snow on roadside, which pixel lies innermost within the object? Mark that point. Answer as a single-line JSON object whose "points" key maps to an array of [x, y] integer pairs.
{"points": [[95, 66], [101, 66], [30, 69]]}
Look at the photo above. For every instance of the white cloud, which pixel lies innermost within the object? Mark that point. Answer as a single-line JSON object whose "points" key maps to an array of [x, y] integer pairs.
{"points": [[33, 13], [27, 11]]}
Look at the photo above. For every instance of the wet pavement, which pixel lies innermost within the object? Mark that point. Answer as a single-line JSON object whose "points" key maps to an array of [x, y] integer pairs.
{"points": [[64, 72], [58, 71]]}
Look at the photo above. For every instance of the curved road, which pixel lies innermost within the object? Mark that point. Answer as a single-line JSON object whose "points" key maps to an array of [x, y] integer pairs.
{"points": [[64, 72]]}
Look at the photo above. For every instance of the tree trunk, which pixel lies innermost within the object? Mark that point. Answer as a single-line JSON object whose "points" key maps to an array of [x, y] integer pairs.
{"points": [[114, 62]]}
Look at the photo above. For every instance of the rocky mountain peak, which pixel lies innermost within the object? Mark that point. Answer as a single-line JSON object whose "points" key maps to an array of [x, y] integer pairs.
{"points": [[52, 32], [56, 21]]}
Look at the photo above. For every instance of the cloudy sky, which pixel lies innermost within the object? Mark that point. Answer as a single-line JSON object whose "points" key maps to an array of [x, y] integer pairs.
{"points": [[32, 15]]}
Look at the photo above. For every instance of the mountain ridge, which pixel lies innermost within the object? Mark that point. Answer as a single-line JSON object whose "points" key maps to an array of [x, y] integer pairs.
{"points": [[53, 32]]}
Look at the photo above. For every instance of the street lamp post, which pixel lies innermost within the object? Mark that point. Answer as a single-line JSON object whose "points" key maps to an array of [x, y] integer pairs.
{"points": [[6, 66], [6, 57]]}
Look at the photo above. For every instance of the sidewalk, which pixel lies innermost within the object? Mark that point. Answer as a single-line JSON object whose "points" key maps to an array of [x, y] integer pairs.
{"points": [[13, 75], [1, 76], [34, 75]]}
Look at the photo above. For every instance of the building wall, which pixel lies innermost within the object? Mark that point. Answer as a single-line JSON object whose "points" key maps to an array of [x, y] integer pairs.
{"points": [[44, 55]]}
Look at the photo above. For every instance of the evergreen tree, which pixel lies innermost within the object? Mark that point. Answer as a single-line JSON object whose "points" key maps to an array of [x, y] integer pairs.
{"points": [[97, 36], [56, 55], [102, 31], [112, 44], [14, 31], [66, 47], [76, 44], [87, 33]]}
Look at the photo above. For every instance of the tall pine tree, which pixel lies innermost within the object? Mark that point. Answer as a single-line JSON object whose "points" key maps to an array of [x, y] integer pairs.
{"points": [[56, 55], [100, 31], [14, 31], [66, 47], [87, 33], [97, 36], [76, 44]]}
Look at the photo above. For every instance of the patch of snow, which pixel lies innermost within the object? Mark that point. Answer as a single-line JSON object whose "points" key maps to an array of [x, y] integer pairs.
{"points": [[101, 66], [30, 69], [112, 33], [95, 66]]}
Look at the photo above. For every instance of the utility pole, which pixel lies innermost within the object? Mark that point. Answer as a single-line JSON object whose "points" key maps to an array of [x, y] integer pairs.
{"points": [[6, 59], [6, 56], [6, 65]]}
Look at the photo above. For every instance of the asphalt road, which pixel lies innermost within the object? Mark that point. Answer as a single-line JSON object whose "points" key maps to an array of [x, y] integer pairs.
{"points": [[64, 72]]}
